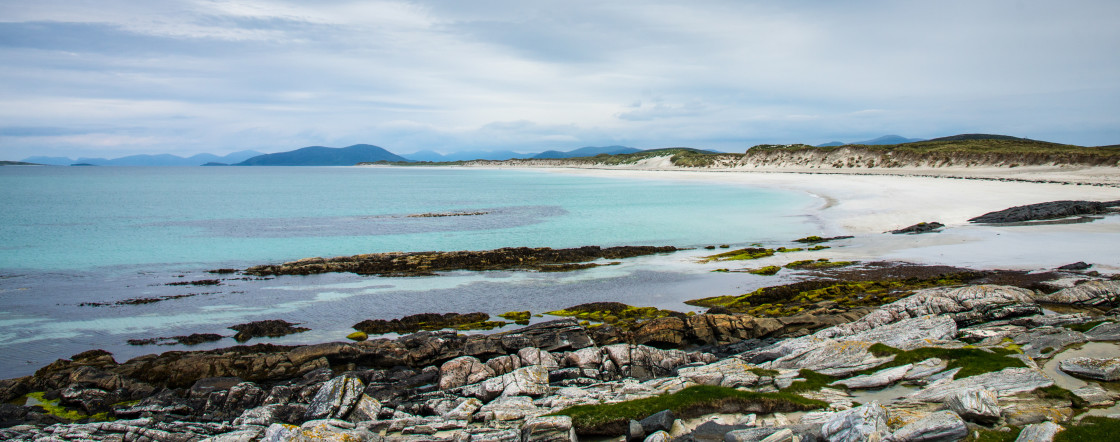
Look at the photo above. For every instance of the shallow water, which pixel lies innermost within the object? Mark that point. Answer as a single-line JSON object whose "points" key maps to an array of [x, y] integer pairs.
{"points": [[101, 235], [1088, 350]]}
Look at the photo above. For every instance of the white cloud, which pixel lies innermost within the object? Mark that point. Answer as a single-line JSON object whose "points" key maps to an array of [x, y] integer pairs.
{"points": [[273, 75]]}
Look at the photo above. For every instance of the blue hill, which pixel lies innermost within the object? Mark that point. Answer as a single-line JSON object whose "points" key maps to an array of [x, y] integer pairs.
{"points": [[324, 156], [149, 160], [589, 151]]}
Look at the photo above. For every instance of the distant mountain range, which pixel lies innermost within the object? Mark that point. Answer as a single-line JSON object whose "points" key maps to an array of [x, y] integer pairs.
{"points": [[883, 140], [324, 156], [586, 152], [148, 160], [435, 157], [366, 153], [502, 155]]}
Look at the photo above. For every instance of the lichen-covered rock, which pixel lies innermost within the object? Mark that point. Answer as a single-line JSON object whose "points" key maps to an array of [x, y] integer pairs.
{"points": [[834, 358], [1109, 331], [979, 405], [335, 398], [1101, 369], [463, 370], [878, 379], [1043, 432], [536, 356], [938, 426], [1094, 293], [548, 429], [1045, 341], [367, 409], [1096, 395], [730, 372], [1006, 382], [862, 423], [508, 408]]}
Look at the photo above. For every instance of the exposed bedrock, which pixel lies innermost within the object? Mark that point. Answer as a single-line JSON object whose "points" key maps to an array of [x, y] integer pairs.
{"points": [[1047, 211]]}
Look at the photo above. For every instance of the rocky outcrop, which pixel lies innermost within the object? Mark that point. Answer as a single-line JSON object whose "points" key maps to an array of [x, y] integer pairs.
{"points": [[425, 263], [1105, 294], [516, 385], [1047, 211]]}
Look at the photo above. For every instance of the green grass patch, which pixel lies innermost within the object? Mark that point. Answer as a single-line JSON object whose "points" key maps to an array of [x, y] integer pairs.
{"points": [[813, 382], [1090, 428], [986, 435], [612, 419], [971, 361], [767, 271], [1056, 392], [765, 372]]}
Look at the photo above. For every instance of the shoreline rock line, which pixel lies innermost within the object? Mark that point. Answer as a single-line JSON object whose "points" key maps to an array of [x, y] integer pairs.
{"points": [[969, 355], [426, 263]]}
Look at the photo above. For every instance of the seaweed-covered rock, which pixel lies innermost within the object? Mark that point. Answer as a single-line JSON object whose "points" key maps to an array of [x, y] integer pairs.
{"points": [[272, 328], [424, 263]]}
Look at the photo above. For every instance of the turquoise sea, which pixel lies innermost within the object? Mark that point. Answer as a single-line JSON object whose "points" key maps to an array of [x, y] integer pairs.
{"points": [[81, 235]]}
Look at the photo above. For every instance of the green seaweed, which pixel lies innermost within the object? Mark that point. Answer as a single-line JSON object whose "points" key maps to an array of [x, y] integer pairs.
{"points": [[810, 239], [790, 299], [614, 313], [521, 317], [815, 248], [741, 254], [767, 271], [610, 419], [53, 408]]}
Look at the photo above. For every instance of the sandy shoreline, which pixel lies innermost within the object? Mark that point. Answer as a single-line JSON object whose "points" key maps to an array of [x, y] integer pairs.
{"points": [[869, 205]]}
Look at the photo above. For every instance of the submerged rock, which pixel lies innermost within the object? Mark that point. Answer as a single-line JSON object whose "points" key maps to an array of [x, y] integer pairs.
{"points": [[272, 328], [1101, 369]]}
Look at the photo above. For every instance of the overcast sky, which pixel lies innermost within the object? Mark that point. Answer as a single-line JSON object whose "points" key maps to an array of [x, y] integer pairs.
{"points": [[117, 77]]}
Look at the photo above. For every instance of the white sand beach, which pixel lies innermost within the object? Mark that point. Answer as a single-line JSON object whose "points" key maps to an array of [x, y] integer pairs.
{"points": [[869, 205]]}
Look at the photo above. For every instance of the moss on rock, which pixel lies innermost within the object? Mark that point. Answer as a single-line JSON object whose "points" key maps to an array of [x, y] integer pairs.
{"points": [[612, 419]]}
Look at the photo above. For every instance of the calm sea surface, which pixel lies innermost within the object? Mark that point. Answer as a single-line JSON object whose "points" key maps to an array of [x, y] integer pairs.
{"points": [[74, 235]]}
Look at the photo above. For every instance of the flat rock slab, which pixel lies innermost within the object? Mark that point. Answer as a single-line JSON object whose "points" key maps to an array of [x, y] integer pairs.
{"points": [[1109, 331], [1101, 369], [1006, 382]]}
